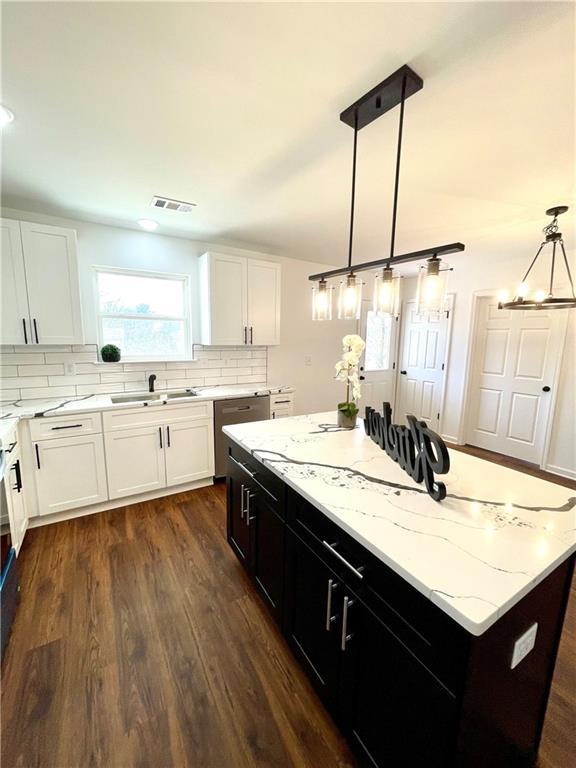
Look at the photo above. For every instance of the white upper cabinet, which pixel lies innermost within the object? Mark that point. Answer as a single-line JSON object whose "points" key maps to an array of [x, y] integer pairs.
{"points": [[40, 287], [240, 300]]}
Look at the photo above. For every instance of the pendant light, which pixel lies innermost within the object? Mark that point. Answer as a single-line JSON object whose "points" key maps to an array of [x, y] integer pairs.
{"points": [[524, 297], [322, 301], [387, 95], [432, 284]]}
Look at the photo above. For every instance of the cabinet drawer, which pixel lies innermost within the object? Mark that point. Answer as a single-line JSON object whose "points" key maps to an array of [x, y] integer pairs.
{"points": [[261, 475], [50, 427], [282, 401], [281, 413], [145, 416], [432, 635]]}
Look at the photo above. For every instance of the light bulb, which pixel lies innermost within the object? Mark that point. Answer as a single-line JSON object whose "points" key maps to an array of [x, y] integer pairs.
{"points": [[522, 291], [539, 296], [503, 296], [322, 302], [431, 288], [350, 298]]}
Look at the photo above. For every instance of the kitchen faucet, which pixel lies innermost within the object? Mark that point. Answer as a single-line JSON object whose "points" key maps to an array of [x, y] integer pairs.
{"points": [[151, 380]]}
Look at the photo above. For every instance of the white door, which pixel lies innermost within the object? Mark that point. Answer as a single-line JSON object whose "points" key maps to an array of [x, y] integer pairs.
{"points": [[515, 361], [14, 318], [189, 451], [421, 365], [51, 265], [379, 359], [227, 322], [16, 503], [70, 473], [135, 461], [263, 302]]}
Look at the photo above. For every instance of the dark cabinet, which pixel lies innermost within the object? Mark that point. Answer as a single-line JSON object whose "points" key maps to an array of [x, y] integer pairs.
{"points": [[238, 529], [395, 710]]}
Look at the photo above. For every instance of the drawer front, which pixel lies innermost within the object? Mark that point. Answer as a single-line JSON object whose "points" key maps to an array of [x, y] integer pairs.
{"points": [[145, 416], [281, 401], [50, 427], [258, 473], [431, 635], [281, 413]]}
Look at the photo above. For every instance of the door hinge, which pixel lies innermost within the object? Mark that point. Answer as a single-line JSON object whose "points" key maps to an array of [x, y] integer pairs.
{"points": [[393, 366], [447, 313], [437, 415]]}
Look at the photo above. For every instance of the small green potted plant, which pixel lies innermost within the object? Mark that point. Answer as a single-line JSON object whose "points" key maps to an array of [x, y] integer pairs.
{"points": [[347, 370], [110, 353]]}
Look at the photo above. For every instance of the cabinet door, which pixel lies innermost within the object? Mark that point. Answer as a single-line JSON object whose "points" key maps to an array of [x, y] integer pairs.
{"points": [[396, 712], [135, 461], [312, 615], [16, 503], [263, 302], [70, 473], [223, 292], [52, 280], [189, 451], [268, 550], [14, 316], [238, 530]]}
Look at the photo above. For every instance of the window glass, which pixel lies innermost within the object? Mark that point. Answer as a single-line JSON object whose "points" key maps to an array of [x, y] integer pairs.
{"points": [[120, 293], [378, 336]]}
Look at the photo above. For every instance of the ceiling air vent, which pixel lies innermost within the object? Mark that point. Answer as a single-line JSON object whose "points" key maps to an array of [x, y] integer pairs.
{"points": [[167, 204]]}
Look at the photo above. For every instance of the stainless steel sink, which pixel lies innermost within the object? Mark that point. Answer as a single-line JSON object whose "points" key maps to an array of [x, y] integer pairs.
{"points": [[137, 398], [176, 395]]}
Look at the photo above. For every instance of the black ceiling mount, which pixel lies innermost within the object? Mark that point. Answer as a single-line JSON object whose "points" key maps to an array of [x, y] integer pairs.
{"points": [[557, 210], [382, 98]]}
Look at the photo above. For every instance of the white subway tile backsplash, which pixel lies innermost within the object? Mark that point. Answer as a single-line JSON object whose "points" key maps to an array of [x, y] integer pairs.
{"points": [[82, 378], [8, 370], [34, 348], [73, 357], [112, 378], [24, 382], [144, 366], [251, 380], [9, 395], [41, 370], [38, 392], [99, 389], [17, 358], [213, 381]]}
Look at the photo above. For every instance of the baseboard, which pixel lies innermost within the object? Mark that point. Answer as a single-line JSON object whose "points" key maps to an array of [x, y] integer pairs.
{"points": [[451, 439], [70, 514], [562, 471]]}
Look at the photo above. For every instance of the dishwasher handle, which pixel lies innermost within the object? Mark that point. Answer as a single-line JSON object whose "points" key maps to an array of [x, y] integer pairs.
{"points": [[238, 408]]}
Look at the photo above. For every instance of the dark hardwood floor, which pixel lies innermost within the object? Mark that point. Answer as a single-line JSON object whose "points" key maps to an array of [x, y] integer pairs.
{"points": [[139, 642]]}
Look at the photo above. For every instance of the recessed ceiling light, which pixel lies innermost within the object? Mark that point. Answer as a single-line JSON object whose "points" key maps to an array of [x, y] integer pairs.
{"points": [[148, 224], [6, 116]]}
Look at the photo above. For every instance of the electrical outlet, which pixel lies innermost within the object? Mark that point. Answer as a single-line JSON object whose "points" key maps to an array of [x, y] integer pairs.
{"points": [[524, 645], [70, 368], [307, 359]]}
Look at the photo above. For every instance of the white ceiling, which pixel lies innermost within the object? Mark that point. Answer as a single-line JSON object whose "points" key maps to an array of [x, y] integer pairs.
{"points": [[235, 107]]}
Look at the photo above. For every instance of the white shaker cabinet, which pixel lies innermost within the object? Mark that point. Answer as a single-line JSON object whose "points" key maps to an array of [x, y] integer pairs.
{"points": [[240, 300], [70, 473], [135, 461], [40, 287], [17, 512], [189, 451]]}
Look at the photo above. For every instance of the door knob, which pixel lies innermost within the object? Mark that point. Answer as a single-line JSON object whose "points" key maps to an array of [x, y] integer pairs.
{"points": [[546, 389], [362, 378], [403, 373]]}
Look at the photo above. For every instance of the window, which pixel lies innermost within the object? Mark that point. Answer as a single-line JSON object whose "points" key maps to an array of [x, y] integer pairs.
{"points": [[143, 313], [378, 338]]}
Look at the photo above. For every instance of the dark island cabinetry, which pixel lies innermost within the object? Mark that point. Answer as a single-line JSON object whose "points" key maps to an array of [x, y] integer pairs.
{"points": [[407, 684]]}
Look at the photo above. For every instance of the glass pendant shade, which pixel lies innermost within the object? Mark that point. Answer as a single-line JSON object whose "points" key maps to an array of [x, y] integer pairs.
{"points": [[432, 285], [322, 301], [386, 293], [350, 298]]}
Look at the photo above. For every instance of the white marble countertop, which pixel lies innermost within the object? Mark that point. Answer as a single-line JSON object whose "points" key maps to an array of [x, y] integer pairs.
{"points": [[495, 536], [28, 409]]}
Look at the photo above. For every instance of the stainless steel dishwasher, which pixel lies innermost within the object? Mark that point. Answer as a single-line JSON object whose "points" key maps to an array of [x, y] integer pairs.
{"points": [[237, 411]]}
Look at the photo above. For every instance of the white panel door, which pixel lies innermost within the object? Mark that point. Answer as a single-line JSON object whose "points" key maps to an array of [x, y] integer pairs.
{"points": [[378, 362], [135, 461], [70, 473], [189, 451], [421, 364], [14, 316], [264, 302], [512, 377], [51, 265], [227, 298]]}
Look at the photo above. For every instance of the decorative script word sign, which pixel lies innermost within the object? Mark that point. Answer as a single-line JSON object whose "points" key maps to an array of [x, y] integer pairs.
{"points": [[419, 451]]}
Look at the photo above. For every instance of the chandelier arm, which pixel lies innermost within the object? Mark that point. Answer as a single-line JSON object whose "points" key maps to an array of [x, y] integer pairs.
{"points": [[533, 262], [567, 268], [397, 176], [353, 196], [552, 268]]}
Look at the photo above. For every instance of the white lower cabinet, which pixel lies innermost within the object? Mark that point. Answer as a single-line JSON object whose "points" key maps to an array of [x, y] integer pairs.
{"points": [[135, 461], [70, 473], [15, 498], [189, 451]]}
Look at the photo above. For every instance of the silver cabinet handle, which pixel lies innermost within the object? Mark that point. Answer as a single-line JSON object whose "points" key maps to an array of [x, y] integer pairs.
{"points": [[242, 510], [356, 571], [248, 497], [345, 636], [242, 466], [329, 618]]}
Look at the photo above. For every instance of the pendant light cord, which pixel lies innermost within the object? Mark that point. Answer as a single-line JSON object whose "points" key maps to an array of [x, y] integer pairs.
{"points": [[353, 196], [397, 177]]}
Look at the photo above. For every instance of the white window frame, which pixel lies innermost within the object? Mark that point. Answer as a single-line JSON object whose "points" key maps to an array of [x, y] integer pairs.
{"points": [[186, 318]]}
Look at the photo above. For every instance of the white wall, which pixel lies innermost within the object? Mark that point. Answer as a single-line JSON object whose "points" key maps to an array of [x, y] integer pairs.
{"points": [[100, 244]]}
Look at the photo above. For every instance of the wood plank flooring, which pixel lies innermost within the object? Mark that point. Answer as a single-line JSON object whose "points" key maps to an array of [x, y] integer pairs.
{"points": [[140, 643]]}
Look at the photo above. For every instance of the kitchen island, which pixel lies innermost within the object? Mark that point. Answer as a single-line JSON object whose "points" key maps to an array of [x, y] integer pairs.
{"points": [[429, 629]]}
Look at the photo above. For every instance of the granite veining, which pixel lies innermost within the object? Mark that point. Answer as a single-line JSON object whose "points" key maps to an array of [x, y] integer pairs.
{"points": [[495, 536]]}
